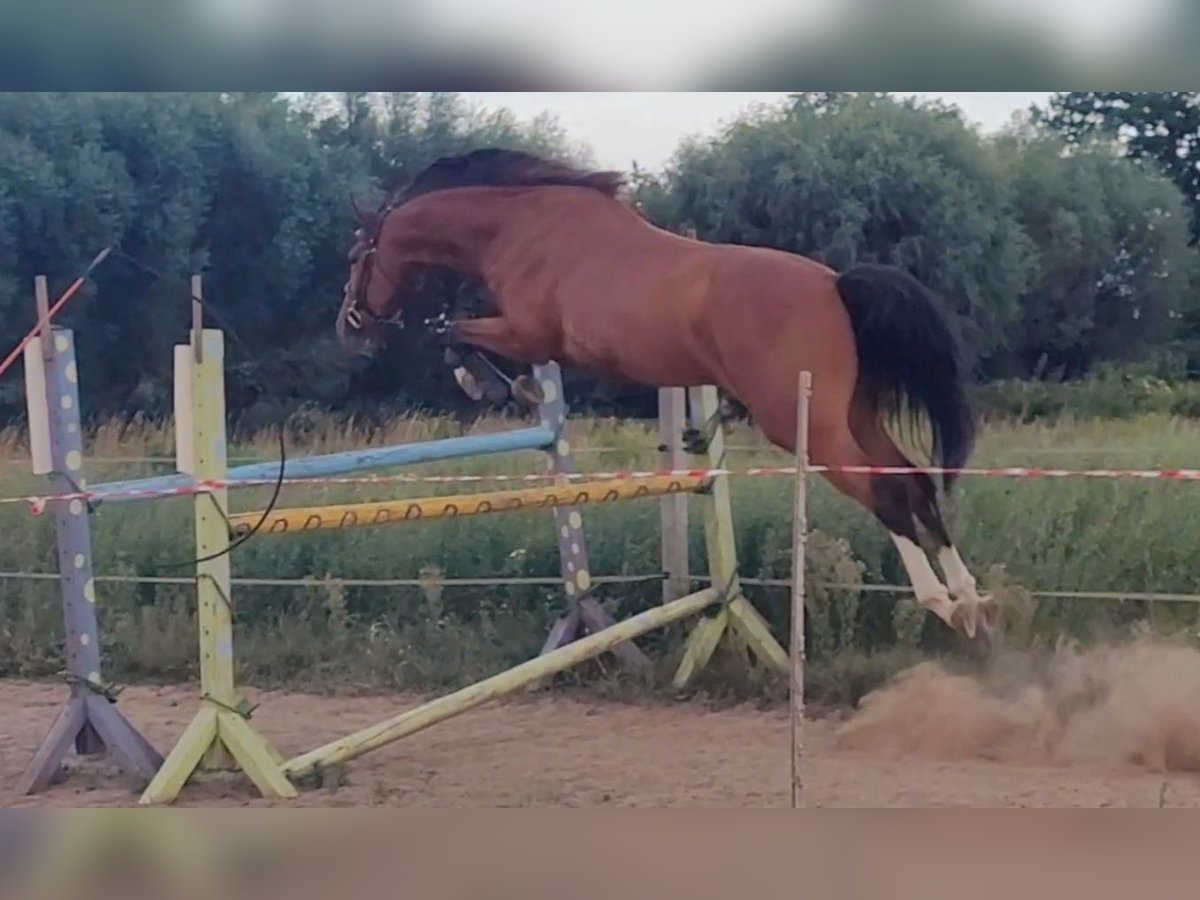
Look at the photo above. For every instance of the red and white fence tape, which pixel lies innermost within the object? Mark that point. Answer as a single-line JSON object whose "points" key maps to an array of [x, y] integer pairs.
{"points": [[38, 503]]}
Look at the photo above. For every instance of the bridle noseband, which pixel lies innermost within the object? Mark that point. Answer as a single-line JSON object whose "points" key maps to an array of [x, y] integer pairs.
{"points": [[357, 307]]}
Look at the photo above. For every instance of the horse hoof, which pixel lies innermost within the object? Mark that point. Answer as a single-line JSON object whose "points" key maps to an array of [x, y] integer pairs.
{"points": [[529, 390], [694, 442], [978, 624], [470, 386]]}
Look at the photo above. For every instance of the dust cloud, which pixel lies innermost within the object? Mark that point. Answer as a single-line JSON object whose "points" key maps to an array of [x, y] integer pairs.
{"points": [[1129, 704]]}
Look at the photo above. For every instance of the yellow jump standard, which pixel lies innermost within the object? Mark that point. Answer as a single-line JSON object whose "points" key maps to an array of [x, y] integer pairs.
{"points": [[369, 515], [220, 737]]}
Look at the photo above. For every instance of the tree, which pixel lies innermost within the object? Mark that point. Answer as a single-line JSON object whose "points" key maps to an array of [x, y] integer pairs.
{"points": [[1162, 126], [846, 177], [230, 186], [1110, 272]]}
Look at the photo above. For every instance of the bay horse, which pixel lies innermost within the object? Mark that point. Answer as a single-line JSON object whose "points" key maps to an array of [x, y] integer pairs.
{"points": [[579, 276]]}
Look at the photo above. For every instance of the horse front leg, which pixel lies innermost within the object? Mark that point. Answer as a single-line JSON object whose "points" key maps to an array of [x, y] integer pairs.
{"points": [[475, 374], [497, 335]]}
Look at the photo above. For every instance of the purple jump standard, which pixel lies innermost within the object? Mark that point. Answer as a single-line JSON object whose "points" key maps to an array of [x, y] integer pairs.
{"points": [[90, 720]]}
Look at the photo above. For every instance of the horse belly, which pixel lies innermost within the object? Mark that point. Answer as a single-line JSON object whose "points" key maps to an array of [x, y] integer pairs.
{"points": [[630, 314], [631, 350]]}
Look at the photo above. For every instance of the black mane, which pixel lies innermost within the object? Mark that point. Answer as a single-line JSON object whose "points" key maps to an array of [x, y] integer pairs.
{"points": [[495, 167]]}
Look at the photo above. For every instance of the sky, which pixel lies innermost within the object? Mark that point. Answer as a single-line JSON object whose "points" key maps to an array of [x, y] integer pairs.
{"points": [[647, 127]]}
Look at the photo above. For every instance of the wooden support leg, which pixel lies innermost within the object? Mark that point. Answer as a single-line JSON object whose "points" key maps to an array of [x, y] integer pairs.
{"points": [[130, 749], [55, 746]]}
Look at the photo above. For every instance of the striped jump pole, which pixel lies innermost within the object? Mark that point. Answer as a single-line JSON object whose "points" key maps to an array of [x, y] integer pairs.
{"points": [[90, 721]]}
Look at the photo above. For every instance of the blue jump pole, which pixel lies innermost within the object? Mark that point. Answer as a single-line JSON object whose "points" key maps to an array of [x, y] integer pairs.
{"points": [[334, 464]]}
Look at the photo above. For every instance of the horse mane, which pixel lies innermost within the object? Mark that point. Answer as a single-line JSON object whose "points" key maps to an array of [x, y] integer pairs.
{"points": [[496, 167]]}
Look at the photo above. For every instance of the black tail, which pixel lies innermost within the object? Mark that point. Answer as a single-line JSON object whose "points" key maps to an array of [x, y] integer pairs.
{"points": [[908, 351]]}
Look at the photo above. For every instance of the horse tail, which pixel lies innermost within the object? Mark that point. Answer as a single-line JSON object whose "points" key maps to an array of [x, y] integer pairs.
{"points": [[909, 357]]}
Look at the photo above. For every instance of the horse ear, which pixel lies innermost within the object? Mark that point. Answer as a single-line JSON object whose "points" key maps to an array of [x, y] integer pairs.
{"points": [[372, 223], [369, 222]]}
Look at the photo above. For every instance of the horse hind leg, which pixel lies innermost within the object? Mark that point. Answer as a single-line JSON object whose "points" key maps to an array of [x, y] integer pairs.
{"points": [[905, 505], [973, 611], [911, 500], [887, 498]]}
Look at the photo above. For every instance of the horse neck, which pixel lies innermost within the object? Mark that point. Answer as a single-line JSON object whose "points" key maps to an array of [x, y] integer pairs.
{"points": [[480, 231], [452, 229]]}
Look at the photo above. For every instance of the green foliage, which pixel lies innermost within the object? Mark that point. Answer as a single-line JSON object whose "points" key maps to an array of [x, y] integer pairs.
{"points": [[1161, 131], [1057, 262], [250, 190], [1111, 269], [1160, 126], [848, 178], [230, 186], [1111, 393]]}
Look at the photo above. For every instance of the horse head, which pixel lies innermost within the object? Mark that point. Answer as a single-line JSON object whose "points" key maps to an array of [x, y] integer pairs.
{"points": [[371, 294]]}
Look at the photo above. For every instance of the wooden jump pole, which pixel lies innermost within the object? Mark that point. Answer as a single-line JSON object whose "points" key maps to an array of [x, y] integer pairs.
{"points": [[799, 548], [584, 615], [90, 719], [673, 510], [330, 465], [717, 511], [299, 520], [497, 686], [220, 737]]}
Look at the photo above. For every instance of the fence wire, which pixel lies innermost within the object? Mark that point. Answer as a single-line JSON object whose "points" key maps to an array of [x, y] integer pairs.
{"points": [[550, 581]]}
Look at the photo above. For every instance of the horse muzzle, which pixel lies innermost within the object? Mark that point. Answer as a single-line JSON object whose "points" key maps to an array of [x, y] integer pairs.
{"points": [[355, 335]]}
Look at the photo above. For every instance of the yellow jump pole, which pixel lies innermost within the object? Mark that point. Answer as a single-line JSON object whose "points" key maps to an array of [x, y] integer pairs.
{"points": [[497, 686], [387, 512], [220, 737]]}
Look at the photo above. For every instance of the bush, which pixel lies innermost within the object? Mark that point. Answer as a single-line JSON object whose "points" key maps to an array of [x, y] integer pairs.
{"points": [[1113, 393]]}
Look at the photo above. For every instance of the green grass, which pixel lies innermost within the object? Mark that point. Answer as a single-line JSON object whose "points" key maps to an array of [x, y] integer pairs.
{"points": [[1069, 535]]}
